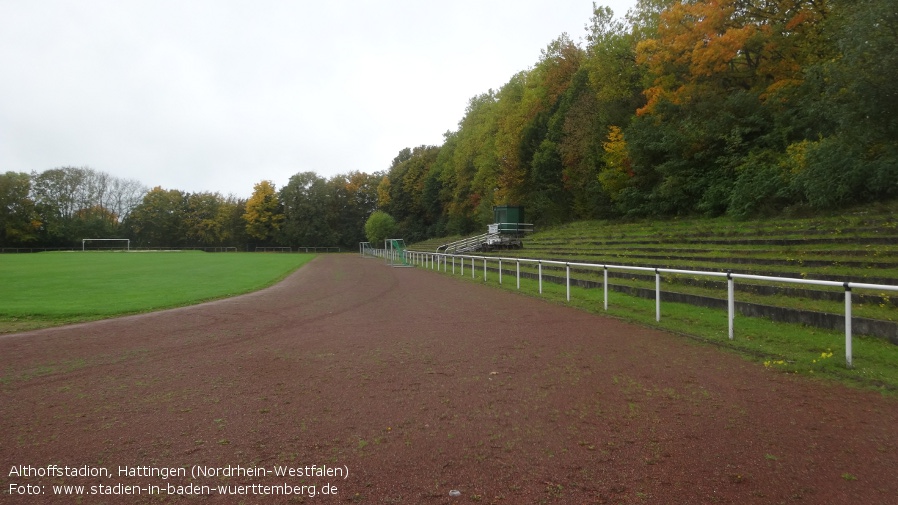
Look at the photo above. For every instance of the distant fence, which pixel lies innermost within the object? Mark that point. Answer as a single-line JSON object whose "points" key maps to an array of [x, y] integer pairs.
{"points": [[304, 249], [441, 260], [318, 249], [274, 249], [13, 250]]}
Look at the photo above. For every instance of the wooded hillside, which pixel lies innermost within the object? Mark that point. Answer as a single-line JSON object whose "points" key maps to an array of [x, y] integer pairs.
{"points": [[737, 107]]}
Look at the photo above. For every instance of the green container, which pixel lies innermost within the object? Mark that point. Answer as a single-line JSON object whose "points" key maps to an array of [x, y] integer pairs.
{"points": [[508, 214]]}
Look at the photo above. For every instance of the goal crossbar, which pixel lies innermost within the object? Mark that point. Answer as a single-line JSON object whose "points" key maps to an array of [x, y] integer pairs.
{"points": [[84, 242]]}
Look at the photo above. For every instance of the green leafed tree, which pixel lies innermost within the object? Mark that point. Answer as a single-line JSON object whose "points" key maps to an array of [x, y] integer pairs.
{"points": [[404, 192], [379, 227], [19, 219], [159, 219], [308, 209], [203, 219]]}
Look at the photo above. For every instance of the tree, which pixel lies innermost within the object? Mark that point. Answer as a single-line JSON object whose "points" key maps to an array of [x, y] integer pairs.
{"points": [[159, 220], [379, 227], [230, 215], [583, 125], [56, 197], [263, 214], [721, 79], [553, 81], [617, 173], [19, 219], [851, 153], [78, 202], [307, 205], [404, 190], [466, 169], [203, 219], [123, 196], [356, 200]]}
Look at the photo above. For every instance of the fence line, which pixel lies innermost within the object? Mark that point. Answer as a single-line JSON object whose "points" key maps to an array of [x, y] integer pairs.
{"points": [[315, 249], [435, 261]]}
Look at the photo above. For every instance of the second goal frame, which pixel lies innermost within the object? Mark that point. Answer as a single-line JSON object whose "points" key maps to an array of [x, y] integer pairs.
{"points": [[84, 242]]}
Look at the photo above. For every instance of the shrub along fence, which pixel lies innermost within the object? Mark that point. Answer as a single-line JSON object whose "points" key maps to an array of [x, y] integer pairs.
{"points": [[442, 260]]}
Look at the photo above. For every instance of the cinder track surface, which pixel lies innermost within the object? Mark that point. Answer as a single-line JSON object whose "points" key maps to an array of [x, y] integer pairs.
{"points": [[419, 384]]}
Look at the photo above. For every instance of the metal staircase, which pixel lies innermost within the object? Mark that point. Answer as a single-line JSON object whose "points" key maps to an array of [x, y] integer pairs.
{"points": [[467, 244]]}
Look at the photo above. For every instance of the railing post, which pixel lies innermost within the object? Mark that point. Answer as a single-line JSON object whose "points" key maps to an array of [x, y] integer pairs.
{"points": [[473, 269], [606, 286], [848, 325], [500, 271], [484, 269], [657, 295], [540, 268], [731, 302], [568, 280], [461, 262], [518, 272]]}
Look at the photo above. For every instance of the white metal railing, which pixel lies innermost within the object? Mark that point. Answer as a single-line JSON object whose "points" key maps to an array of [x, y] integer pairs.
{"points": [[435, 260]]}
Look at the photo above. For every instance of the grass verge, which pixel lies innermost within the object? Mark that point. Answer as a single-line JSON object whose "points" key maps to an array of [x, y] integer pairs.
{"points": [[53, 288]]}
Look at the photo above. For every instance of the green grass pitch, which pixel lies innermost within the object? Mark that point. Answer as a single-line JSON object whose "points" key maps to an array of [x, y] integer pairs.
{"points": [[55, 288]]}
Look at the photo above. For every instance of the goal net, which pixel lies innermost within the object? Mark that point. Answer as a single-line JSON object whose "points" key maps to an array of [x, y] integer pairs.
{"points": [[124, 244], [395, 253]]}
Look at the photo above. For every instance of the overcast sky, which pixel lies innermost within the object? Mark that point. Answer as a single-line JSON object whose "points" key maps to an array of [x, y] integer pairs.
{"points": [[217, 95]]}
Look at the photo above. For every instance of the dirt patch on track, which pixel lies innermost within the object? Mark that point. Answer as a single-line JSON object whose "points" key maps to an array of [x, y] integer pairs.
{"points": [[419, 384]]}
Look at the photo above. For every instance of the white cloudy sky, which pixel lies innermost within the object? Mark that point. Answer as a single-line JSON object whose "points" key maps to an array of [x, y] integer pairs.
{"points": [[216, 95]]}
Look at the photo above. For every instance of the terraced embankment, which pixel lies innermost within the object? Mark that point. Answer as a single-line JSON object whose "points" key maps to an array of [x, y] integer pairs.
{"points": [[856, 247]]}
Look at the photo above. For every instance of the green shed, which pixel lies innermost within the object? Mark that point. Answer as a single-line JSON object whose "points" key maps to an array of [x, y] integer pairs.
{"points": [[509, 220], [508, 214]]}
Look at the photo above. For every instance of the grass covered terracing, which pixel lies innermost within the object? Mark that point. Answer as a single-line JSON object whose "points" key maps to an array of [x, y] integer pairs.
{"points": [[53, 288], [860, 245]]}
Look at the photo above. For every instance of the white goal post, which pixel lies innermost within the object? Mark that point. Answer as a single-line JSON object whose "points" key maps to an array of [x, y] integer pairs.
{"points": [[84, 242]]}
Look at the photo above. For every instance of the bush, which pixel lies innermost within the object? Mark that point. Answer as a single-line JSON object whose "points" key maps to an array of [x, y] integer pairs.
{"points": [[379, 227]]}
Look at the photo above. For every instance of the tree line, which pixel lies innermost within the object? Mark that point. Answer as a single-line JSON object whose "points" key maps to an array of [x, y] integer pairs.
{"points": [[680, 107], [60, 207], [713, 107]]}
